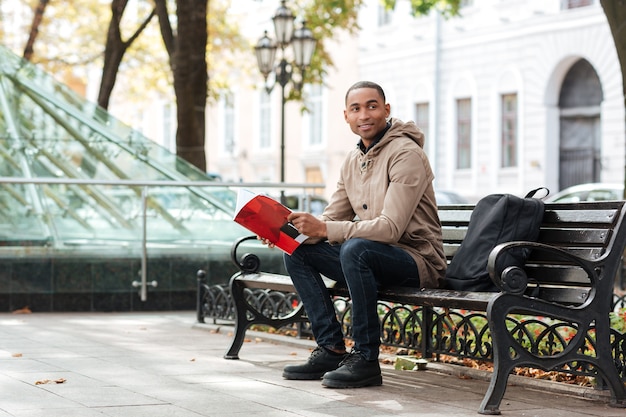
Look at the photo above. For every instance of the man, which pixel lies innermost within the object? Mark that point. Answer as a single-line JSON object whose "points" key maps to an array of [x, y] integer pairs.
{"points": [[380, 228]]}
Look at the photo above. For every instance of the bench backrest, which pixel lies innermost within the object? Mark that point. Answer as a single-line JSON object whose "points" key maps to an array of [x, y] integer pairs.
{"points": [[589, 230]]}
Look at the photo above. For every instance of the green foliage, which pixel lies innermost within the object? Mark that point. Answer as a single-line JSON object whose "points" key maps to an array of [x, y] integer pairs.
{"points": [[326, 18], [618, 320], [447, 8], [229, 54]]}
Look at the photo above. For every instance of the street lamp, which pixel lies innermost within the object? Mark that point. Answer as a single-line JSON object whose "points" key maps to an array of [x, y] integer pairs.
{"points": [[303, 44]]}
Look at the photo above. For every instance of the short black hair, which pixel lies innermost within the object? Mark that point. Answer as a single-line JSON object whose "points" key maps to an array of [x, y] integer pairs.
{"points": [[367, 84]]}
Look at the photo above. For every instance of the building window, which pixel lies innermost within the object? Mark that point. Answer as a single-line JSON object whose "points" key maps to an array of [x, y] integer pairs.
{"points": [[573, 4], [265, 118], [314, 106], [229, 123], [421, 118], [509, 130], [384, 15], [464, 133]]}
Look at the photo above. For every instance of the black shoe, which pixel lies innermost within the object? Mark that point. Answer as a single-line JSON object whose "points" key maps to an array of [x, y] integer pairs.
{"points": [[320, 362], [354, 372]]}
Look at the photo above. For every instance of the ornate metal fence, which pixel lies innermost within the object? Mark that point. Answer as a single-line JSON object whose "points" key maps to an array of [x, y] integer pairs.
{"points": [[426, 330]]}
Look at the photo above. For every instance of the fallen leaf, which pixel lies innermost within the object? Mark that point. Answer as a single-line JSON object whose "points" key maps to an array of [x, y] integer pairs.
{"points": [[50, 381], [17, 355]]}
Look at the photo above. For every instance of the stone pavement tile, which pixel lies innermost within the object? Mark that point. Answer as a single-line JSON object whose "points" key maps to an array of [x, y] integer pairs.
{"points": [[391, 399], [164, 410], [160, 364], [201, 399], [17, 396], [78, 411], [22, 364]]}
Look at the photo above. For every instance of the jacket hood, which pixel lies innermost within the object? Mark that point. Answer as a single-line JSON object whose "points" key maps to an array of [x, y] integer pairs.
{"points": [[401, 129]]}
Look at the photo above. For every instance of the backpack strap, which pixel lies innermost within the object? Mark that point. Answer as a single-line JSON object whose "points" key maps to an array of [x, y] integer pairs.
{"points": [[532, 193]]}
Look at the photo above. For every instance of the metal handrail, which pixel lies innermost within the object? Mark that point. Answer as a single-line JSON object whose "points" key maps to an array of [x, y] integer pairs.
{"points": [[143, 285]]}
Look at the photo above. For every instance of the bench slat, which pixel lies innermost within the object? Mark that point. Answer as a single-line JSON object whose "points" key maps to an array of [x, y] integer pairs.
{"points": [[574, 237]]}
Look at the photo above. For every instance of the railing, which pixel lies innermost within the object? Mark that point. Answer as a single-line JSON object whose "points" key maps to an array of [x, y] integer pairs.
{"points": [[193, 187], [427, 330]]}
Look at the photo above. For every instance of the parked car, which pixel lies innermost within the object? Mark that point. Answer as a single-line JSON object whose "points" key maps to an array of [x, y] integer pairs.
{"points": [[314, 204], [588, 192], [445, 197]]}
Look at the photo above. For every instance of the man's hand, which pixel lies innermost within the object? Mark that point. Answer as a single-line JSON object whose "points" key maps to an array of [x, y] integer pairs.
{"points": [[266, 242], [308, 224]]}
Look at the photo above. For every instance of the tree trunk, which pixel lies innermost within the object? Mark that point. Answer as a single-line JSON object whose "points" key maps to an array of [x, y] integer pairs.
{"points": [[615, 11], [115, 49], [191, 80], [34, 29], [113, 53]]}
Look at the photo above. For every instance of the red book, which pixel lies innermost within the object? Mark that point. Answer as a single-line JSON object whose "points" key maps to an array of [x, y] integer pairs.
{"points": [[267, 218]]}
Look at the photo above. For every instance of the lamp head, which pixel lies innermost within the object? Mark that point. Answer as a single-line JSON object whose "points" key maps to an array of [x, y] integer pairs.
{"points": [[283, 25], [303, 46], [265, 50]]}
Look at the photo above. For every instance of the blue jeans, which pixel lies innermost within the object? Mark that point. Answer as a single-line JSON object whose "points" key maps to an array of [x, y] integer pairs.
{"points": [[360, 265]]}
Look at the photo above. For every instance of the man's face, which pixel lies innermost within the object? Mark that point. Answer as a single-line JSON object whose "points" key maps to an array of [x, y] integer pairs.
{"points": [[366, 113]]}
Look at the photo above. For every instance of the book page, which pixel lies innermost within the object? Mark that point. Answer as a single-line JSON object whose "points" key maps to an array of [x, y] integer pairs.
{"points": [[243, 197]]}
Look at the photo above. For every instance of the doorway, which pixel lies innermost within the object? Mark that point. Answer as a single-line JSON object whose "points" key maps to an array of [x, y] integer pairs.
{"points": [[580, 145]]}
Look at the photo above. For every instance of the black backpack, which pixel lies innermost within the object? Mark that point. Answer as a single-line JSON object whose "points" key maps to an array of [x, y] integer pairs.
{"points": [[496, 218]]}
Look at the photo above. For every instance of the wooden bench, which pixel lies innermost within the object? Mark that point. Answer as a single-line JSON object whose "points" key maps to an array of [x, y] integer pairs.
{"points": [[569, 277]]}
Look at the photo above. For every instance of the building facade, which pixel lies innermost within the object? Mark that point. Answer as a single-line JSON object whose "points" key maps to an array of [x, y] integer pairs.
{"points": [[511, 95]]}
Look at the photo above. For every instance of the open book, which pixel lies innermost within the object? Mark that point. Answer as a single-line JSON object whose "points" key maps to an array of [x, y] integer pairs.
{"points": [[267, 218]]}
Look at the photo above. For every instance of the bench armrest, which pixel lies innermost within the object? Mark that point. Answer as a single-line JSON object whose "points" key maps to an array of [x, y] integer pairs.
{"points": [[248, 262], [513, 279]]}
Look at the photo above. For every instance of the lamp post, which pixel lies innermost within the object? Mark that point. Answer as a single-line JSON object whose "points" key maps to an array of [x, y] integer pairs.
{"points": [[303, 44]]}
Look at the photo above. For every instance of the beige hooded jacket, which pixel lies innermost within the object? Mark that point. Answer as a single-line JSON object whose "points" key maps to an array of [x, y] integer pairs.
{"points": [[386, 195]]}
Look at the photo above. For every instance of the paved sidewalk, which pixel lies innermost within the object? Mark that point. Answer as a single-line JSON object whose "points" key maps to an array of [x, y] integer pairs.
{"points": [[166, 364]]}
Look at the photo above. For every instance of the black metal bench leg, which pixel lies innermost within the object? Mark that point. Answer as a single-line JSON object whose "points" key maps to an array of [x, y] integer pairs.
{"points": [[612, 378], [608, 373], [493, 397], [246, 315], [241, 318], [502, 362]]}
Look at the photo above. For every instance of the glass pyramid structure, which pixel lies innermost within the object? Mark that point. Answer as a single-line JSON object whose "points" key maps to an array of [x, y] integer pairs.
{"points": [[98, 226]]}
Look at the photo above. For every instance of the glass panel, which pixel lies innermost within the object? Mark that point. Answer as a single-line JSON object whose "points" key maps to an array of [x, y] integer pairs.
{"points": [[47, 131]]}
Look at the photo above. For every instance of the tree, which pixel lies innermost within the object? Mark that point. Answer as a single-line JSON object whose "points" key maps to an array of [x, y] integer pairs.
{"points": [[115, 49], [34, 29], [615, 11], [187, 49]]}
